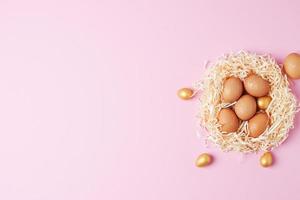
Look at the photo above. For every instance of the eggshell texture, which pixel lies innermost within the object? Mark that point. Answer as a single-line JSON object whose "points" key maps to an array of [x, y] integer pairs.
{"points": [[256, 86], [258, 124], [233, 89], [245, 107], [291, 65], [228, 119]]}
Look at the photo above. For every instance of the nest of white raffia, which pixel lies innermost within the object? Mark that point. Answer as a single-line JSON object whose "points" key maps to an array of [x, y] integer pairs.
{"points": [[281, 110]]}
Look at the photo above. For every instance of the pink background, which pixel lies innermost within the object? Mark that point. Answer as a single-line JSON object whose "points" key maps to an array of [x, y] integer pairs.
{"points": [[88, 106]]}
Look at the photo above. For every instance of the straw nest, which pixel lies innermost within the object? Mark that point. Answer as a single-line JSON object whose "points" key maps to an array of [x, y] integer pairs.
{"points": [[281, 110]]}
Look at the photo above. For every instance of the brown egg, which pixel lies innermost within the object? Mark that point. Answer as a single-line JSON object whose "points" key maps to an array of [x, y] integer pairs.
{"points": [[228, 120], [263, 102], [258, 124], [245, 107], [256, 86], [291, 65], [233, 89]]}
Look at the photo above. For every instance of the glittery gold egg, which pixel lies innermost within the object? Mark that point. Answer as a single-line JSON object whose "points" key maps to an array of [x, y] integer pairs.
{"points": [[266, 159], [263, 102], [185, 93], [203, 160]]}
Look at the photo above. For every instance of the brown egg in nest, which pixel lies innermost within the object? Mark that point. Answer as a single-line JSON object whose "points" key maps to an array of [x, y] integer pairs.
{"points": [[245, 107], [258, 124], [256, 86], [233, 89], [228, 120]]}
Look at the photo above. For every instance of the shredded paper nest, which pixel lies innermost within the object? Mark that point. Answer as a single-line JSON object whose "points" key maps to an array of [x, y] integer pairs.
{"points": [[281, 110]]}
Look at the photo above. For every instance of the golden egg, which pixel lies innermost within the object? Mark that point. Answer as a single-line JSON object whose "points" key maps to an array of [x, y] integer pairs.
{"points": [[266, 159], [204, 160], [263, 102], [245, 107], [291, 65], [256, 86], [185, 93]]}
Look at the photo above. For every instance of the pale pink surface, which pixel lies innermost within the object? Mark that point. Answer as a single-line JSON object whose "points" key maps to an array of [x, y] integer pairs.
{"points": [[88, 106]]}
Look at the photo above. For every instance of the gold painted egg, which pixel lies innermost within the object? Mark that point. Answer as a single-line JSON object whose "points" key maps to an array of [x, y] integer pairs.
{"points": [[204, 160], [263, 102], [266, 159], [185, 93]]}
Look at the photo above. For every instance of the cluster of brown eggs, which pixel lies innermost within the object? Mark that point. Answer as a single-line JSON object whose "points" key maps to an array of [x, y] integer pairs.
{"points": [[251, 97]]}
